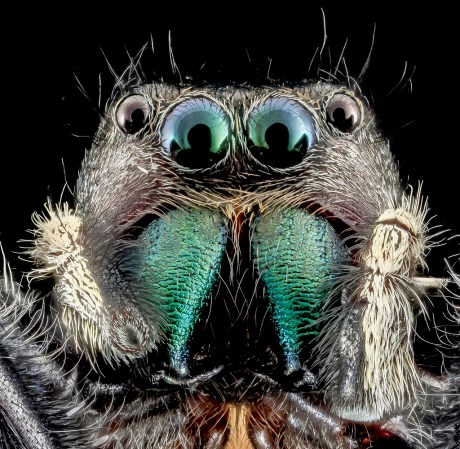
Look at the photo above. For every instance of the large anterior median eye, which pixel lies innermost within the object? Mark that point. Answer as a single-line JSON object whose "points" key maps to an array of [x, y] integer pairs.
{"points": [[196, 132], [280, 132]]}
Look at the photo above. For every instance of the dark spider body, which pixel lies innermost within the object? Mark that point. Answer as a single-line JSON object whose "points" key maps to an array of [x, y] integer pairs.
{"points": [[242, 268]]}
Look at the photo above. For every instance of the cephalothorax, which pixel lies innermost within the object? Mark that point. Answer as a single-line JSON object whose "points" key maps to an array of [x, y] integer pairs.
{"points": [[242, 268]]}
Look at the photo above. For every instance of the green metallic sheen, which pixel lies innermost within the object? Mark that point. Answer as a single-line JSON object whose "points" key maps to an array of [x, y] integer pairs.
{"points": [[296, 255], [181, 255]]}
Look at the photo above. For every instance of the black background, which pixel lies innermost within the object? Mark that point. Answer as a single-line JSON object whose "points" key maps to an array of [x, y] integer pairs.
{"points": [[47, 122]]}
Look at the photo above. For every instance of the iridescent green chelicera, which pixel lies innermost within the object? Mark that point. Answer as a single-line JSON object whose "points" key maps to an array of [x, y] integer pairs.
{"points": [[296, 254], [181, 256]]}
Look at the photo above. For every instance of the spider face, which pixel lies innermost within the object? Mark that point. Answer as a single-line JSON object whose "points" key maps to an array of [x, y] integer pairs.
{"points": [[242, 268]]}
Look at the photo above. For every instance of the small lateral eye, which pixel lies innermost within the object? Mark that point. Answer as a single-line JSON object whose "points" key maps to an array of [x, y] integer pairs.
{"points": [[196, 133], [132, 114], [343, 113], [281, 131]]}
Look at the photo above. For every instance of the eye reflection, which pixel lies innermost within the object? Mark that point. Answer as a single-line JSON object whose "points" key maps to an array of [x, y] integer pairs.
{"points": [[280, 132]]}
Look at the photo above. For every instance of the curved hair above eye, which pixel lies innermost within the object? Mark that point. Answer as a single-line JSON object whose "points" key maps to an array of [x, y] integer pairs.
{"points": [[281, 131], [343, 113], [132, 113], [196, 133]]}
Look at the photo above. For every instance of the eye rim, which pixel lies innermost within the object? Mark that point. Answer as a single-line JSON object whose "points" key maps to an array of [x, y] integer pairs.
{"points": [[184, 102], [347, 99], [299, 105], [124, 104]]}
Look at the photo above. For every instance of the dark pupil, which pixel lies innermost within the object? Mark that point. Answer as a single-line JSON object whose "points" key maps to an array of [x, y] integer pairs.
{"points": [[199, 138], [137, 121], [340, 120], [199, 155], [277, 137], [278, 154]]}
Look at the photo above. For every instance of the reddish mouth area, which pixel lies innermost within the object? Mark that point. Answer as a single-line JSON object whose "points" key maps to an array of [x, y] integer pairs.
{"points": [[340, 227], [373, 436]]}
